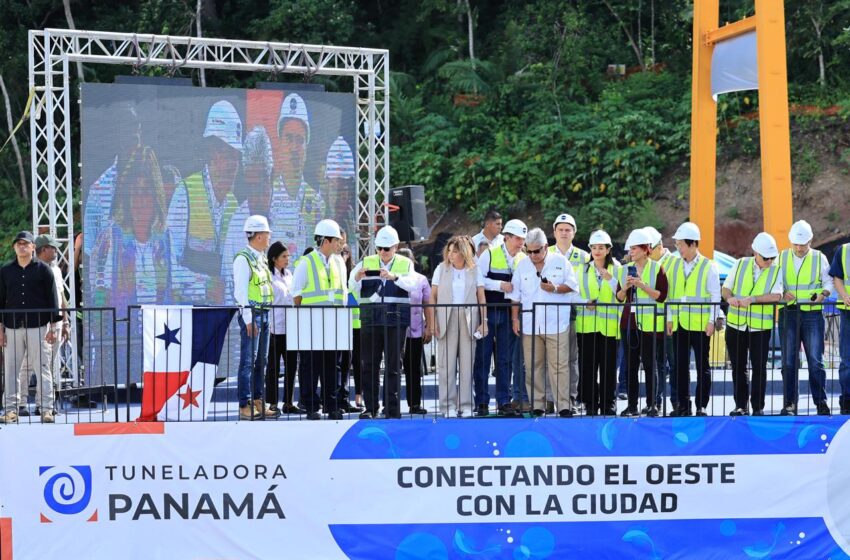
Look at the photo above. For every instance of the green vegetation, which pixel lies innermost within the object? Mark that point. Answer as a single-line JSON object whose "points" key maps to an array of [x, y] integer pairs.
{"points": [[497, 103]]}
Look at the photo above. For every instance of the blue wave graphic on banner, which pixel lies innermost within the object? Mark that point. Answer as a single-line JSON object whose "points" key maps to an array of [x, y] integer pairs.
{"points": [[721, 539], [388, 439]]}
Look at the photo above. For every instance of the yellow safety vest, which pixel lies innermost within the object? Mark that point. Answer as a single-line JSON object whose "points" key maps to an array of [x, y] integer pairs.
{"points": [[756, 317], [320, 288], [576, 256], [688, 291], [845, 252], [649, 318], [805, 283], [604, 319], [666, 260], [260, 292]]}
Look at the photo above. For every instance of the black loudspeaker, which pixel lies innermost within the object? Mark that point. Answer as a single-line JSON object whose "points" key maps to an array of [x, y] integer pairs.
{"points": [[408, 214]]}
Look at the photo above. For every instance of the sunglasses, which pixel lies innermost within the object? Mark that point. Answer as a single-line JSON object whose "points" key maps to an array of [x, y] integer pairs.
{"points": [[535, 251], [767, 258], [384, 249]]}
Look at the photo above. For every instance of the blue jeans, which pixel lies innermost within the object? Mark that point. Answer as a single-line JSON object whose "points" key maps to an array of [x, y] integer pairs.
{"points": [[519, 391], [844, 351], [797, 326], [622, 368], [499, 333], [253, 354]]}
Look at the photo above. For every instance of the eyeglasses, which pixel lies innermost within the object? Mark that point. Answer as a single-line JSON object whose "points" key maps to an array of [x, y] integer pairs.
{"points": [[767, 258], [535, 251], [384, 249]]}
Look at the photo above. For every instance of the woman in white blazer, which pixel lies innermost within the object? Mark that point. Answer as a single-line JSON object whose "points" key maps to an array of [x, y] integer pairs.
{"points": [[455, 282]]}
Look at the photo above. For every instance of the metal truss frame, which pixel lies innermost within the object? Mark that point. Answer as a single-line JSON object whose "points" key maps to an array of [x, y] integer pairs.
{"points": [[52, 51]]}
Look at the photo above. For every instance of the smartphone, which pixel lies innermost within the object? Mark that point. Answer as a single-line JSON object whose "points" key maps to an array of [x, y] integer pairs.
{"points": [[632, 270], [373, 273], [544, 280]]}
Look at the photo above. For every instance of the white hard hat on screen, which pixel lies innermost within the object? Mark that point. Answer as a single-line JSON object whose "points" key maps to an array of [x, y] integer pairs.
{"points": [[328, 228], [293, 107], [340, 160], [223, 122], [515, 227], [387, 237], [565, 219], [801, 233], [599, 237], [255, 224], [765, 245], [688, 230], [638, 237]]}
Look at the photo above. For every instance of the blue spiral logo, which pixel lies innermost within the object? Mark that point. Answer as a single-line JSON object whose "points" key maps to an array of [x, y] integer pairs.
{"points": [[67, 491]]}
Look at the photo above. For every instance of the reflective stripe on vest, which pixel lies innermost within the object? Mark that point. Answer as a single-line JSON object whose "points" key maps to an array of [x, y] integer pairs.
{"points": [[807, 280], [845, 253], [201, 235], [649, 318], [756, 317], [319, 289], [260, 293], [576, 256], [665, 261], [391, 292], [691, 317], [603, 319], [501, 271]]}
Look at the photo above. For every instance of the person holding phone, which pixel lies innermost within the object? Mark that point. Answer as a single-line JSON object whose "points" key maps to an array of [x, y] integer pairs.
{"points": [[643, 285]]}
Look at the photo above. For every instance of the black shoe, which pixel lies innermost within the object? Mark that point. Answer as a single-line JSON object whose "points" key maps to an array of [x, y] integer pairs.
{"points": [[550, 407], [538, 412], [739, 412], [758, 412], [315, 415], [701, 411], [418, 409], [335, 415], [482, 410], [507, 411], [393, 415], [630, 411], [291, 409], [645, 410], [301, 407], [365, 415], [347, 407], [680, 412], [23, 411], [610, 411], [823, 409], [651, 412], [566, 413], [789, 410], [845, 409]]}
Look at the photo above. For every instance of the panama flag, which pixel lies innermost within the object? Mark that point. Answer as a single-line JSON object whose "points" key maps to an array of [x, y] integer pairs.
{"points": [[182, 348]]}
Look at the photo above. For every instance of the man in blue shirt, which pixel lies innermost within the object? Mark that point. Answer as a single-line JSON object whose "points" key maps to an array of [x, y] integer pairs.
{"points": [[838, 270]]}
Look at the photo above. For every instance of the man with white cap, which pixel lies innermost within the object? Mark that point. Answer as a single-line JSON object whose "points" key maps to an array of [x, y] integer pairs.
{"points": [[296, 206], [495, 271], [252, 291], [319, 280], [691, 317], [752, 292], [807, 283], [564, 229], [201, 209], [663, 352], [384, 282], [840, 272]]}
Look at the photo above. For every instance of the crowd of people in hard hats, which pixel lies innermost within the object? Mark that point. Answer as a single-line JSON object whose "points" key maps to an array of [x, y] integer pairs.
{"points": [[554, 323]]}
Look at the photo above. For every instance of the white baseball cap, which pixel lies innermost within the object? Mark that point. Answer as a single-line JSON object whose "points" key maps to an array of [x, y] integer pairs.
{"points": [[687, 230], [765, 245], [800, 233]]}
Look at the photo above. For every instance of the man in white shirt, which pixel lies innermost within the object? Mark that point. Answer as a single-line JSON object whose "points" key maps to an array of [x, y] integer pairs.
{"points": [[544, 278], [807, 282], [489, 234]]}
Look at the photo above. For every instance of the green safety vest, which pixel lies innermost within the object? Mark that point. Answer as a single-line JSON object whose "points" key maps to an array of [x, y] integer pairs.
{"points": [[666, 260], [756, 317], [260, 292], [845, 252], [649, 318], [576, 256], [604, 319], [806, 282], [201, 235], [321, 289], [690, 290]]}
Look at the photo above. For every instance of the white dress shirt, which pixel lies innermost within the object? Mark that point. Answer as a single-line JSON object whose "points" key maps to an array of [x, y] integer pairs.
{"points": [[479, 238], [549, 319], [282, 285], [484, 267], [458, 283]]}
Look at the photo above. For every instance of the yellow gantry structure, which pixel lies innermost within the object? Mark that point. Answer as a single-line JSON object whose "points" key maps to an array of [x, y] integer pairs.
{"points": [[769, 25]]}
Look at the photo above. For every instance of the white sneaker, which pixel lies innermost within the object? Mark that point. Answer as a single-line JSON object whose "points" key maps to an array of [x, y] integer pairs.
{"points": [[465, 413], [452, 413]]}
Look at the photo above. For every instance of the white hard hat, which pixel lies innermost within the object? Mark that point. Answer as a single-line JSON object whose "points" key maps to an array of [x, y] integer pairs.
{"points": [[387, 237], [765, 245], [293, 107], [599, 237], [801, 233], [256, 223], [515, 227], [223, 122], [328, 228], [638, 237], [565, 219], [688, 230], [654, 235], [340, 160]]}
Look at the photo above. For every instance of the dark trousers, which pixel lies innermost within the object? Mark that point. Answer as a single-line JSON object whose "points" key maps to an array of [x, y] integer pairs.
{"points": [[639, 348], [350, 367], [597, 353], [413, 371], [683, 342], [277, 350], [378, 342], [756, 344], [316, 365]]}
